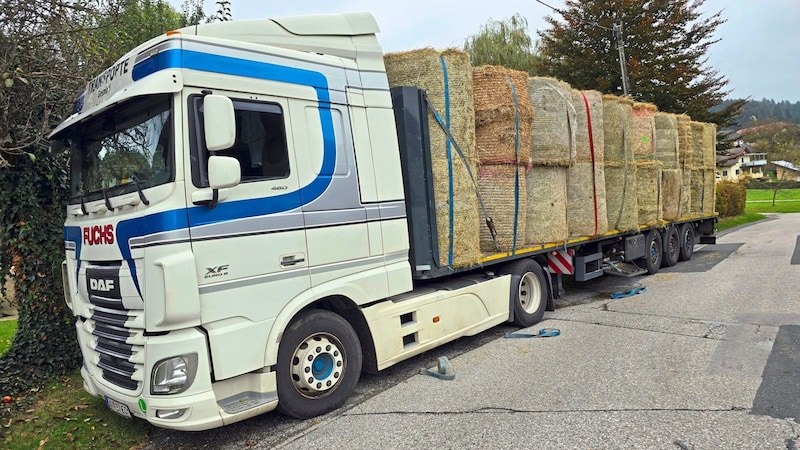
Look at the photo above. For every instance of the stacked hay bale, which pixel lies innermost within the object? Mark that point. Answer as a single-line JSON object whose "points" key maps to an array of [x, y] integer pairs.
{"points": [[702, 163], [648, 168], [685, 145], [666, 145], [552, 152], [503, 118], [586, 188], [459, 240], [620, 169]]}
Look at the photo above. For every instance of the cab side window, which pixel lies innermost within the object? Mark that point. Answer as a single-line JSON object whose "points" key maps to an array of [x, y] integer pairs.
{"points": [[260, 144]]}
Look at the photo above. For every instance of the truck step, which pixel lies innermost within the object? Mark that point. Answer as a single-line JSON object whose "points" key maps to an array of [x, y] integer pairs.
{"points": [[245, 400], [623, 269]]}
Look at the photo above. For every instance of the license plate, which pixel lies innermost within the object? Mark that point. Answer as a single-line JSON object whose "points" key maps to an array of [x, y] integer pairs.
{"points": [[119, 408]]}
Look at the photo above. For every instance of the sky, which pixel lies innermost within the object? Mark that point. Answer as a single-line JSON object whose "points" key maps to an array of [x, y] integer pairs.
{"points": [[758, 52]]}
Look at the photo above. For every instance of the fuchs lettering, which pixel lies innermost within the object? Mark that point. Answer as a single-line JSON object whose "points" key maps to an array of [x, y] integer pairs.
{"points": [[98, 235]]}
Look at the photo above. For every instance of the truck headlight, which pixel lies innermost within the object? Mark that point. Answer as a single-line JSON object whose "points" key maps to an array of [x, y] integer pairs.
{"points": [[174, 375]]}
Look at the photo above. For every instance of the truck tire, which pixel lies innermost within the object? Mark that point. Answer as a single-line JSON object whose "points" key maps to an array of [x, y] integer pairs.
{"points": [[319, 364], [654, 250], [687, 242], [529, 291], [672, 247]]}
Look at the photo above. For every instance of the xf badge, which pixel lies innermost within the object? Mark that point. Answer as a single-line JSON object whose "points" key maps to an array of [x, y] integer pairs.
{"points": [[218, 271]]}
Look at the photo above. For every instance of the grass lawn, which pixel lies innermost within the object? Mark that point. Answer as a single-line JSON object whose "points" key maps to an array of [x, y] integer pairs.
{"points": [[7, 330], [786, 201], [64, 416]]}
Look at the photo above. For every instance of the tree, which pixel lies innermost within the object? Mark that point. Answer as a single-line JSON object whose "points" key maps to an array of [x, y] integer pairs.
{"points": [[503, 43], [666, 42], [48, 51]]}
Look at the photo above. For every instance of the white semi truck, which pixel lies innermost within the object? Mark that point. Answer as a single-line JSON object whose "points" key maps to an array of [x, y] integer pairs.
{"points": [[241, 235]]}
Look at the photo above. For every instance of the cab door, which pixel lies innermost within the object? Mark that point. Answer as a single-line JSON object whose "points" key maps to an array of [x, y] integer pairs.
{"points": [[249, 248]]}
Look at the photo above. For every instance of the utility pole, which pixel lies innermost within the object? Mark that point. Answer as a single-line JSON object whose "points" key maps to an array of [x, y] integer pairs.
{"points": [[622, 61]]}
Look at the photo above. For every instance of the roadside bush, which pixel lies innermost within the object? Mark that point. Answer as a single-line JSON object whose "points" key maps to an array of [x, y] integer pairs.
{"points": [[731, 198]]}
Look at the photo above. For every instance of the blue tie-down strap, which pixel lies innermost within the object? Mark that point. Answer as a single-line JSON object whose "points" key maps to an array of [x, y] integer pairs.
{"points": [[544, 332], [444, 370], [630, 293]]}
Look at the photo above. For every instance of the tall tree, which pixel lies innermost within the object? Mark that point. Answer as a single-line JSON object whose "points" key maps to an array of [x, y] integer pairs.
{"points": [[503, 43], [48, 51], [666, 42]]}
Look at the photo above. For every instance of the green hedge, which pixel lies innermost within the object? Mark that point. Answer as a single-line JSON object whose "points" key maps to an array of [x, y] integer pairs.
{"points": [[731, 198]]}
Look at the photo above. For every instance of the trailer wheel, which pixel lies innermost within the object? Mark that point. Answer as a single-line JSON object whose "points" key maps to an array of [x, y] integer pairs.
{"points": [[687, 242], [319, 364], [672, 247], [653, 252], [529, 291]]}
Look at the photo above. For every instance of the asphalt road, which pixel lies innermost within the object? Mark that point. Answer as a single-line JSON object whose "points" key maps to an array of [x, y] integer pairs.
{"points": [[708, 357]]}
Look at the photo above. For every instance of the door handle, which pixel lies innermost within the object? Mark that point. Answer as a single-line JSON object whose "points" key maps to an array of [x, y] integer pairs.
{"points": [[292, 260]]}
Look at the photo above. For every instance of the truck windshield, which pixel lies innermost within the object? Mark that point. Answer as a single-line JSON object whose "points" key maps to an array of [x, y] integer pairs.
{"points": [[127, 145]]}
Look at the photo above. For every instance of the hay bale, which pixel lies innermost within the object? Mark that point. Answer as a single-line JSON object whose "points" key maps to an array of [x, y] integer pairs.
{"points": [[709, 192], [709, 146], [644, 130], [547, 205], [671, 192], [553, 138], [423, 69], [621, 202], [666, 140], [586, 150], [702, 192], [685, 207], [648, 192], [617, 124], [684, 139], [505, 201], [698, 145], [586, 200], [503, 117]]}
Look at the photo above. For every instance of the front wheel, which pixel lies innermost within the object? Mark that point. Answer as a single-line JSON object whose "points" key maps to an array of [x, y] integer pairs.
{"points": [[319, 364], [529, 291]]}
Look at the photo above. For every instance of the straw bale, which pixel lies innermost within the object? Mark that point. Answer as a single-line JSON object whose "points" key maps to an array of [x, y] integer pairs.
{"points": [[503, 117], [644, 128], [547, 205], [466, 214], [504, 203], [685, 206], [667, 139], [703, 192], [553, 142], [709, 192], [423, 69], [584, 152], [698, 146], [617, 128], [648, 192], [709, 146], [621, 202], [671, 191], [586, 200], [684, 139]]}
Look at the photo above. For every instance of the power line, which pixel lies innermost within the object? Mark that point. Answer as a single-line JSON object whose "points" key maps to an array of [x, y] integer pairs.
{"points": [[566, 14]]}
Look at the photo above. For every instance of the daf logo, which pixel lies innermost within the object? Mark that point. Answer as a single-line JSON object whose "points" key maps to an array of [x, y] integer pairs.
{"points": [[101, 285], [218, 271]]}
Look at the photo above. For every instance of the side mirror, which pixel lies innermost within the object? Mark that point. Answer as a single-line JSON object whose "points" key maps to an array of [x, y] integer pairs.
{"points": [[220, 122], [223, 172]]}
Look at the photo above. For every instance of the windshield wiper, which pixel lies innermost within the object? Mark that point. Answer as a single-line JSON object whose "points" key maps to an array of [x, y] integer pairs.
{"points": [[139, 190], [83, 204], [108, 202]]}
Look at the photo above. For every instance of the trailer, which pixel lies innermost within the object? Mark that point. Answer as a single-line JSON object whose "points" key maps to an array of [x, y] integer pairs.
{"points": [[251, 222]]}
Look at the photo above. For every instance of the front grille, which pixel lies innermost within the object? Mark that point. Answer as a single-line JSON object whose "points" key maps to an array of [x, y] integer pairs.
{"points": [[119, 345]]}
